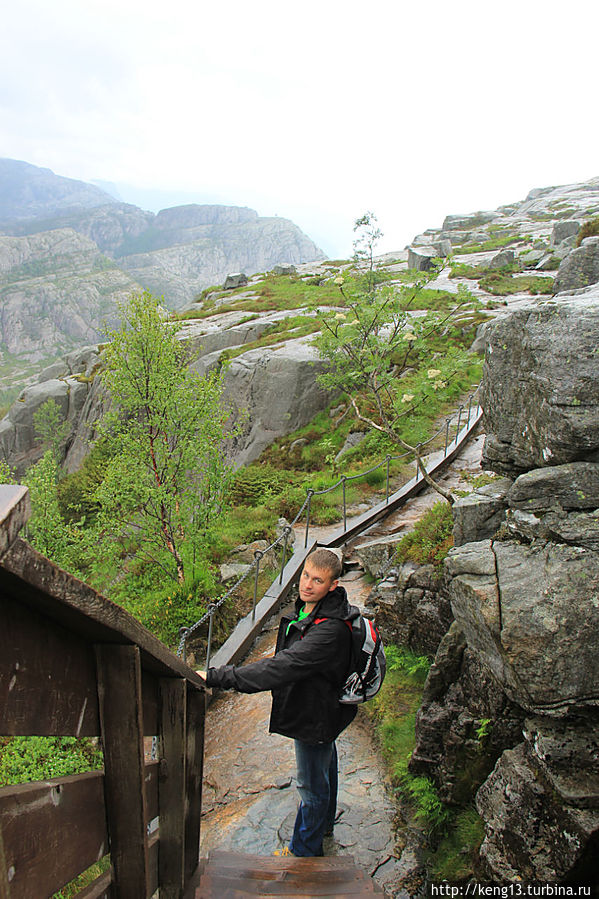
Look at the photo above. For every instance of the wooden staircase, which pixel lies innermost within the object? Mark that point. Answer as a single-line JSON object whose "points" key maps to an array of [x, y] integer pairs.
{"points": [[234, 875]]}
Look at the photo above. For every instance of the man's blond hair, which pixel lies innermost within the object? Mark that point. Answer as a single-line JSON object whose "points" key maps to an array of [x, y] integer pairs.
{"points": [[326, 560]]}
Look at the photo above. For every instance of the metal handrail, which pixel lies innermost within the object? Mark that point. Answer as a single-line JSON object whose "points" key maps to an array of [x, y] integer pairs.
{"points": [[186, 632]]}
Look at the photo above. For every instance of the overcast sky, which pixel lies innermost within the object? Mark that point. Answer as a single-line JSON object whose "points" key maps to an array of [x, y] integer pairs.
{"points": [[316, 111]]}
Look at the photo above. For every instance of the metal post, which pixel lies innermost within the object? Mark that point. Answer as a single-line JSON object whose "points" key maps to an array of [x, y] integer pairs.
{"points": [[460, 410], [387, 488], [286, 531], [257, 556], [310, 492], [418, 449], [469, 409], [183, 631], [211, 611], [344, 506], [447, 423]]}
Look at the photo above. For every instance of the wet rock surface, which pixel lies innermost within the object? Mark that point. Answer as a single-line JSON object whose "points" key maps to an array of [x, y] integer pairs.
{"points": [[250, 800]]}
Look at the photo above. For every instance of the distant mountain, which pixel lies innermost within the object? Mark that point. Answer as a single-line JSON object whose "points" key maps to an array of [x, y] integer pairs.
{"points": [[27, 192], [175, 253]]}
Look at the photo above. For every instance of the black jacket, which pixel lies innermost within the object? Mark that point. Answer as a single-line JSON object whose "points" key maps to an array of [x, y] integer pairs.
{"points": [[306, 673]]}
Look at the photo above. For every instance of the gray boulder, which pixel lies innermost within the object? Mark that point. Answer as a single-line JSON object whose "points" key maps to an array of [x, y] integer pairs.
{"points": [[473, 220], [540, 390], [376, 554], [421, 258], [284, 269], [531, 833], [410, 606], [573, 486], [529, 613], [501, 260], [580, 267], [531, 258], [353, 439], [273, 391], [478, 515], [563, 230], [238, 279]]}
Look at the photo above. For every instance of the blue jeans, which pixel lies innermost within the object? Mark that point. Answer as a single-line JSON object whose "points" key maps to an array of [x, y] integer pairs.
{"points": [[317, 781]]}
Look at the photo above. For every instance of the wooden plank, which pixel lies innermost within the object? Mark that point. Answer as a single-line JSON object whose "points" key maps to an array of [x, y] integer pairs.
{"points": [[173, 703], [224, 858], [4, 882], [120, 702], [52, 831], [194, 764], [151, 701], [151, 777], [47, 676], [101, 888], [15, 510], [153, 875], [41, 585], [220, 886]]}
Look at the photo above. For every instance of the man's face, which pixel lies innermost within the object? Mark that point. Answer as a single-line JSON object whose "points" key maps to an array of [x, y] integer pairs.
{"points": [[315, 583]]}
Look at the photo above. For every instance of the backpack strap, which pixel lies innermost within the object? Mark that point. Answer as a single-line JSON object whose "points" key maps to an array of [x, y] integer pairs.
{"points": [[345, 621]]}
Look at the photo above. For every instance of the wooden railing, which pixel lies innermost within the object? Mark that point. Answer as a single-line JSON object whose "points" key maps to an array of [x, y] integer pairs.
{"points": [[72, 663]]}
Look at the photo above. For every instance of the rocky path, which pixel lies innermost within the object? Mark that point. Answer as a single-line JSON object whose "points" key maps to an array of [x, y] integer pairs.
{"points": [[250, 799]]}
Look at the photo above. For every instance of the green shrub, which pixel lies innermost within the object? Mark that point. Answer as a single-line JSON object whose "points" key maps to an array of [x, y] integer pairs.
{"points": [[589, 229], [405, 659], [164, 607], [255, 482], [41, 758], [431, 538], [455, 858]]}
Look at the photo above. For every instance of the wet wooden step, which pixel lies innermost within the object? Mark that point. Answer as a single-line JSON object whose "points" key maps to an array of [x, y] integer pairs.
{"points": [[232, 875]]}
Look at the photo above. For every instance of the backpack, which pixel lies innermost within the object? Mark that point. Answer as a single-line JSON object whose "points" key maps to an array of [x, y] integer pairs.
{"points": [[368, 664]]}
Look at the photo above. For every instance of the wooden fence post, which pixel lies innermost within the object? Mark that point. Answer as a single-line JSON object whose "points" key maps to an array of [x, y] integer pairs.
{"points": [[173, 729], [120, 702], [196, 712]]}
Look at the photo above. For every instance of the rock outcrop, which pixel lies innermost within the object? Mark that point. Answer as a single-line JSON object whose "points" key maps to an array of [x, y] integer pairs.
{"points": [[411, 608], [580, 268], [511, 704], [540, 387], [271, 391]]}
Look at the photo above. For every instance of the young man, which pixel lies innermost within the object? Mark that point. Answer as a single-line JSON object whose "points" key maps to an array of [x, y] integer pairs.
{"points": [[311, 662]]}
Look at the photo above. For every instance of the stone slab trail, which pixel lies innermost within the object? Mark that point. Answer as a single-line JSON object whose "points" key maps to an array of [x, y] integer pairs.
{"points": [[249, 795]]}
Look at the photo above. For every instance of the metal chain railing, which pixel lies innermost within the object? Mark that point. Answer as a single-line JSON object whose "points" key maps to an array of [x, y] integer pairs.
{"points": [[186, 632]]}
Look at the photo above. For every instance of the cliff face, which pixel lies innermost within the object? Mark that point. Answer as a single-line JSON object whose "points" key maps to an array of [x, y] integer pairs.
{"points": [[523, 581], [57, 292]]}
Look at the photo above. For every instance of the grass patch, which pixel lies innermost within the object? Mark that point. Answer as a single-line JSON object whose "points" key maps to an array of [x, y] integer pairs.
{"points": [[455, 858], [589, 229], [502, 284], [431, 539], [287, 329], [494, 243]]}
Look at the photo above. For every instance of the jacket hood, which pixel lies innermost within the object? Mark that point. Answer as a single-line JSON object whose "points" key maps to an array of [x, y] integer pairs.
{"points": [[334, 605]]}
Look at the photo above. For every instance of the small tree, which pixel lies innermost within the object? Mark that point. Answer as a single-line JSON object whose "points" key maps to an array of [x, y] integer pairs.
{"points": [[50, 427], [46, 529], [168, 476], [388, 360]]}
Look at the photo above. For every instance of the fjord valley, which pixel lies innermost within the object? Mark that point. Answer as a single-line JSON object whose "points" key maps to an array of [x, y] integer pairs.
{"points": [[313, 372]]}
